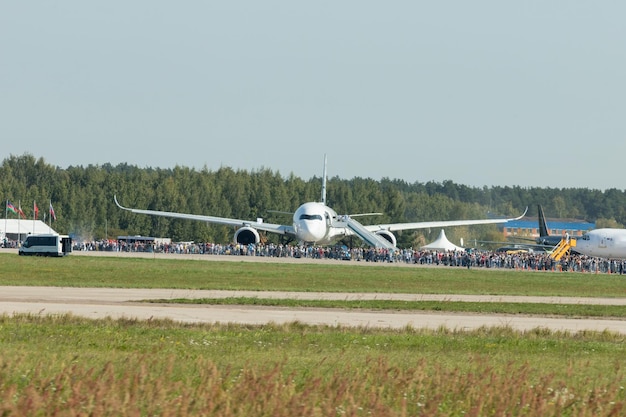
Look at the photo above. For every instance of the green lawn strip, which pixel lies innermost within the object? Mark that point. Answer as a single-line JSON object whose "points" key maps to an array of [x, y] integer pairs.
{"points": [[94, 271], [568, 310]]}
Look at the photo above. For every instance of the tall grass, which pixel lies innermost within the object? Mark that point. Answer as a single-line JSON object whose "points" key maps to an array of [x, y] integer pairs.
{"points": [[67, 366], [379, 389]]}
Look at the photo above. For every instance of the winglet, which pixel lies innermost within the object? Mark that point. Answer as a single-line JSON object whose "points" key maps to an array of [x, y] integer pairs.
{"points": [[117, 203], [523, 214]]}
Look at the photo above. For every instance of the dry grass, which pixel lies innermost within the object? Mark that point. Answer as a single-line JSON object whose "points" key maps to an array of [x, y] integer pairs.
{"points": [[378, 389], [66, 366]]}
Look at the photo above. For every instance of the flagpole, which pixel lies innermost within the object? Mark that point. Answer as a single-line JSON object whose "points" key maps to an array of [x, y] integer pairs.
{"points": [[19, 235], [6, 214]]}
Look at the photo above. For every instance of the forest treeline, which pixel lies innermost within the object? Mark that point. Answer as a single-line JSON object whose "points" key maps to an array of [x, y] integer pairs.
{"points": [[83, 200]]}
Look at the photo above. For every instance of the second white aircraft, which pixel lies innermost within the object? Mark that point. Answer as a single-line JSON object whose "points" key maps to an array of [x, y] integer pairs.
{"points": [[603, 243]]}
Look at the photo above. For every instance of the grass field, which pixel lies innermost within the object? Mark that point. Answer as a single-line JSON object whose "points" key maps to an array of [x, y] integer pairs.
{"points": [[69, 366], [125, 272]]}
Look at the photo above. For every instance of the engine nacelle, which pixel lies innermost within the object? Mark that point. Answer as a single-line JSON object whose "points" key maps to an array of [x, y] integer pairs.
{"points": [[388, 236], [247, 235]]}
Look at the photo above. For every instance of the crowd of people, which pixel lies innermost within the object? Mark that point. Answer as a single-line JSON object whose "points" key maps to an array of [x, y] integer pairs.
{"points": [[535, 261]]}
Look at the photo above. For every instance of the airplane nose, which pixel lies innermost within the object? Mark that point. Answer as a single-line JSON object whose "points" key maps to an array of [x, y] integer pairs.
{"points": [[308, 235], [308, 232]]}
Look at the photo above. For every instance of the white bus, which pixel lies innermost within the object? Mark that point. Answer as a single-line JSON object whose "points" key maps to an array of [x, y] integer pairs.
{"points": [[46, 245]]}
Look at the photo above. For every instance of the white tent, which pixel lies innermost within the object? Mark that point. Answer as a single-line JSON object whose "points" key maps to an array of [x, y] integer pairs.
{"points": [[14, 228], [442, 244]]}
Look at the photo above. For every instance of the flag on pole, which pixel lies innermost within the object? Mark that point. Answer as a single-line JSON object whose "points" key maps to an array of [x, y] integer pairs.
{"points": [[35, 211], [11, 207], [52, 215], [19, 210]]}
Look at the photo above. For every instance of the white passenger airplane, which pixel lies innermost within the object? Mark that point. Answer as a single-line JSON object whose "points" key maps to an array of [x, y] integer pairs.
{"points": [[316, 223], [603, 243]]}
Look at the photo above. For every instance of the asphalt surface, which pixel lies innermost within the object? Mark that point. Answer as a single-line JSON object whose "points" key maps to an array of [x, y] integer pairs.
{"points": [[128, 303]]}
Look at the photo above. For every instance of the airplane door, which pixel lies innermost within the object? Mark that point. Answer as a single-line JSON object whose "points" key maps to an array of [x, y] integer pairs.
{"points": [[603, 242]]}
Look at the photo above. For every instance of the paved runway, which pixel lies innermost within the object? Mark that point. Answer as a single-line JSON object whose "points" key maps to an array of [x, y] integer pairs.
{"points": [[118, 303]]}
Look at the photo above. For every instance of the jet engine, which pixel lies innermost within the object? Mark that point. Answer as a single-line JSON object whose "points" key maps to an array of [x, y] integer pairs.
{"points": [[247, 235], [387, 235]]}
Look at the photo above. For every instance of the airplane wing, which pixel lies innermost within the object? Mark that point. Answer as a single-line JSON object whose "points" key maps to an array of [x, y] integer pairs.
{"points": [[267, 227], [392, 227]]}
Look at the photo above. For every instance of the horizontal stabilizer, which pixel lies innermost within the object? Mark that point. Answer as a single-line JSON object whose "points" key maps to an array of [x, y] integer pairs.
{"points": [[371, 238]]}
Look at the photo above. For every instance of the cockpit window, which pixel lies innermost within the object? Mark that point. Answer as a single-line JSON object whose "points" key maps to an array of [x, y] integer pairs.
{"points": [[310, 217]]}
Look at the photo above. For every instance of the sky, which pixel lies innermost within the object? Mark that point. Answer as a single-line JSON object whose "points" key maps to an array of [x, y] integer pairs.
{"points": [[482, 93]]}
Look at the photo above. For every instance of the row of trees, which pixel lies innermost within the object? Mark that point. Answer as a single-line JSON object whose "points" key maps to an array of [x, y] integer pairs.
{"points": [[84, 205]]}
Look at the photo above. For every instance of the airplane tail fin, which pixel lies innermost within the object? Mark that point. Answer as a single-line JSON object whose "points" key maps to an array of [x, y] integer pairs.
{"points": [[543, 226], [324, 183]]}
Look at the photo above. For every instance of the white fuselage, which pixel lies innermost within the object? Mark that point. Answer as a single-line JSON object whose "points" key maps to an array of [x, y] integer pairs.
{"points": [[313, 223], [603, 243]]}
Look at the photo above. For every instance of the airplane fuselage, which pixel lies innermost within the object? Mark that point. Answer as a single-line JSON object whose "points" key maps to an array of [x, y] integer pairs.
{"points": [[313, 223], [549, 240], [603, 243]]}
